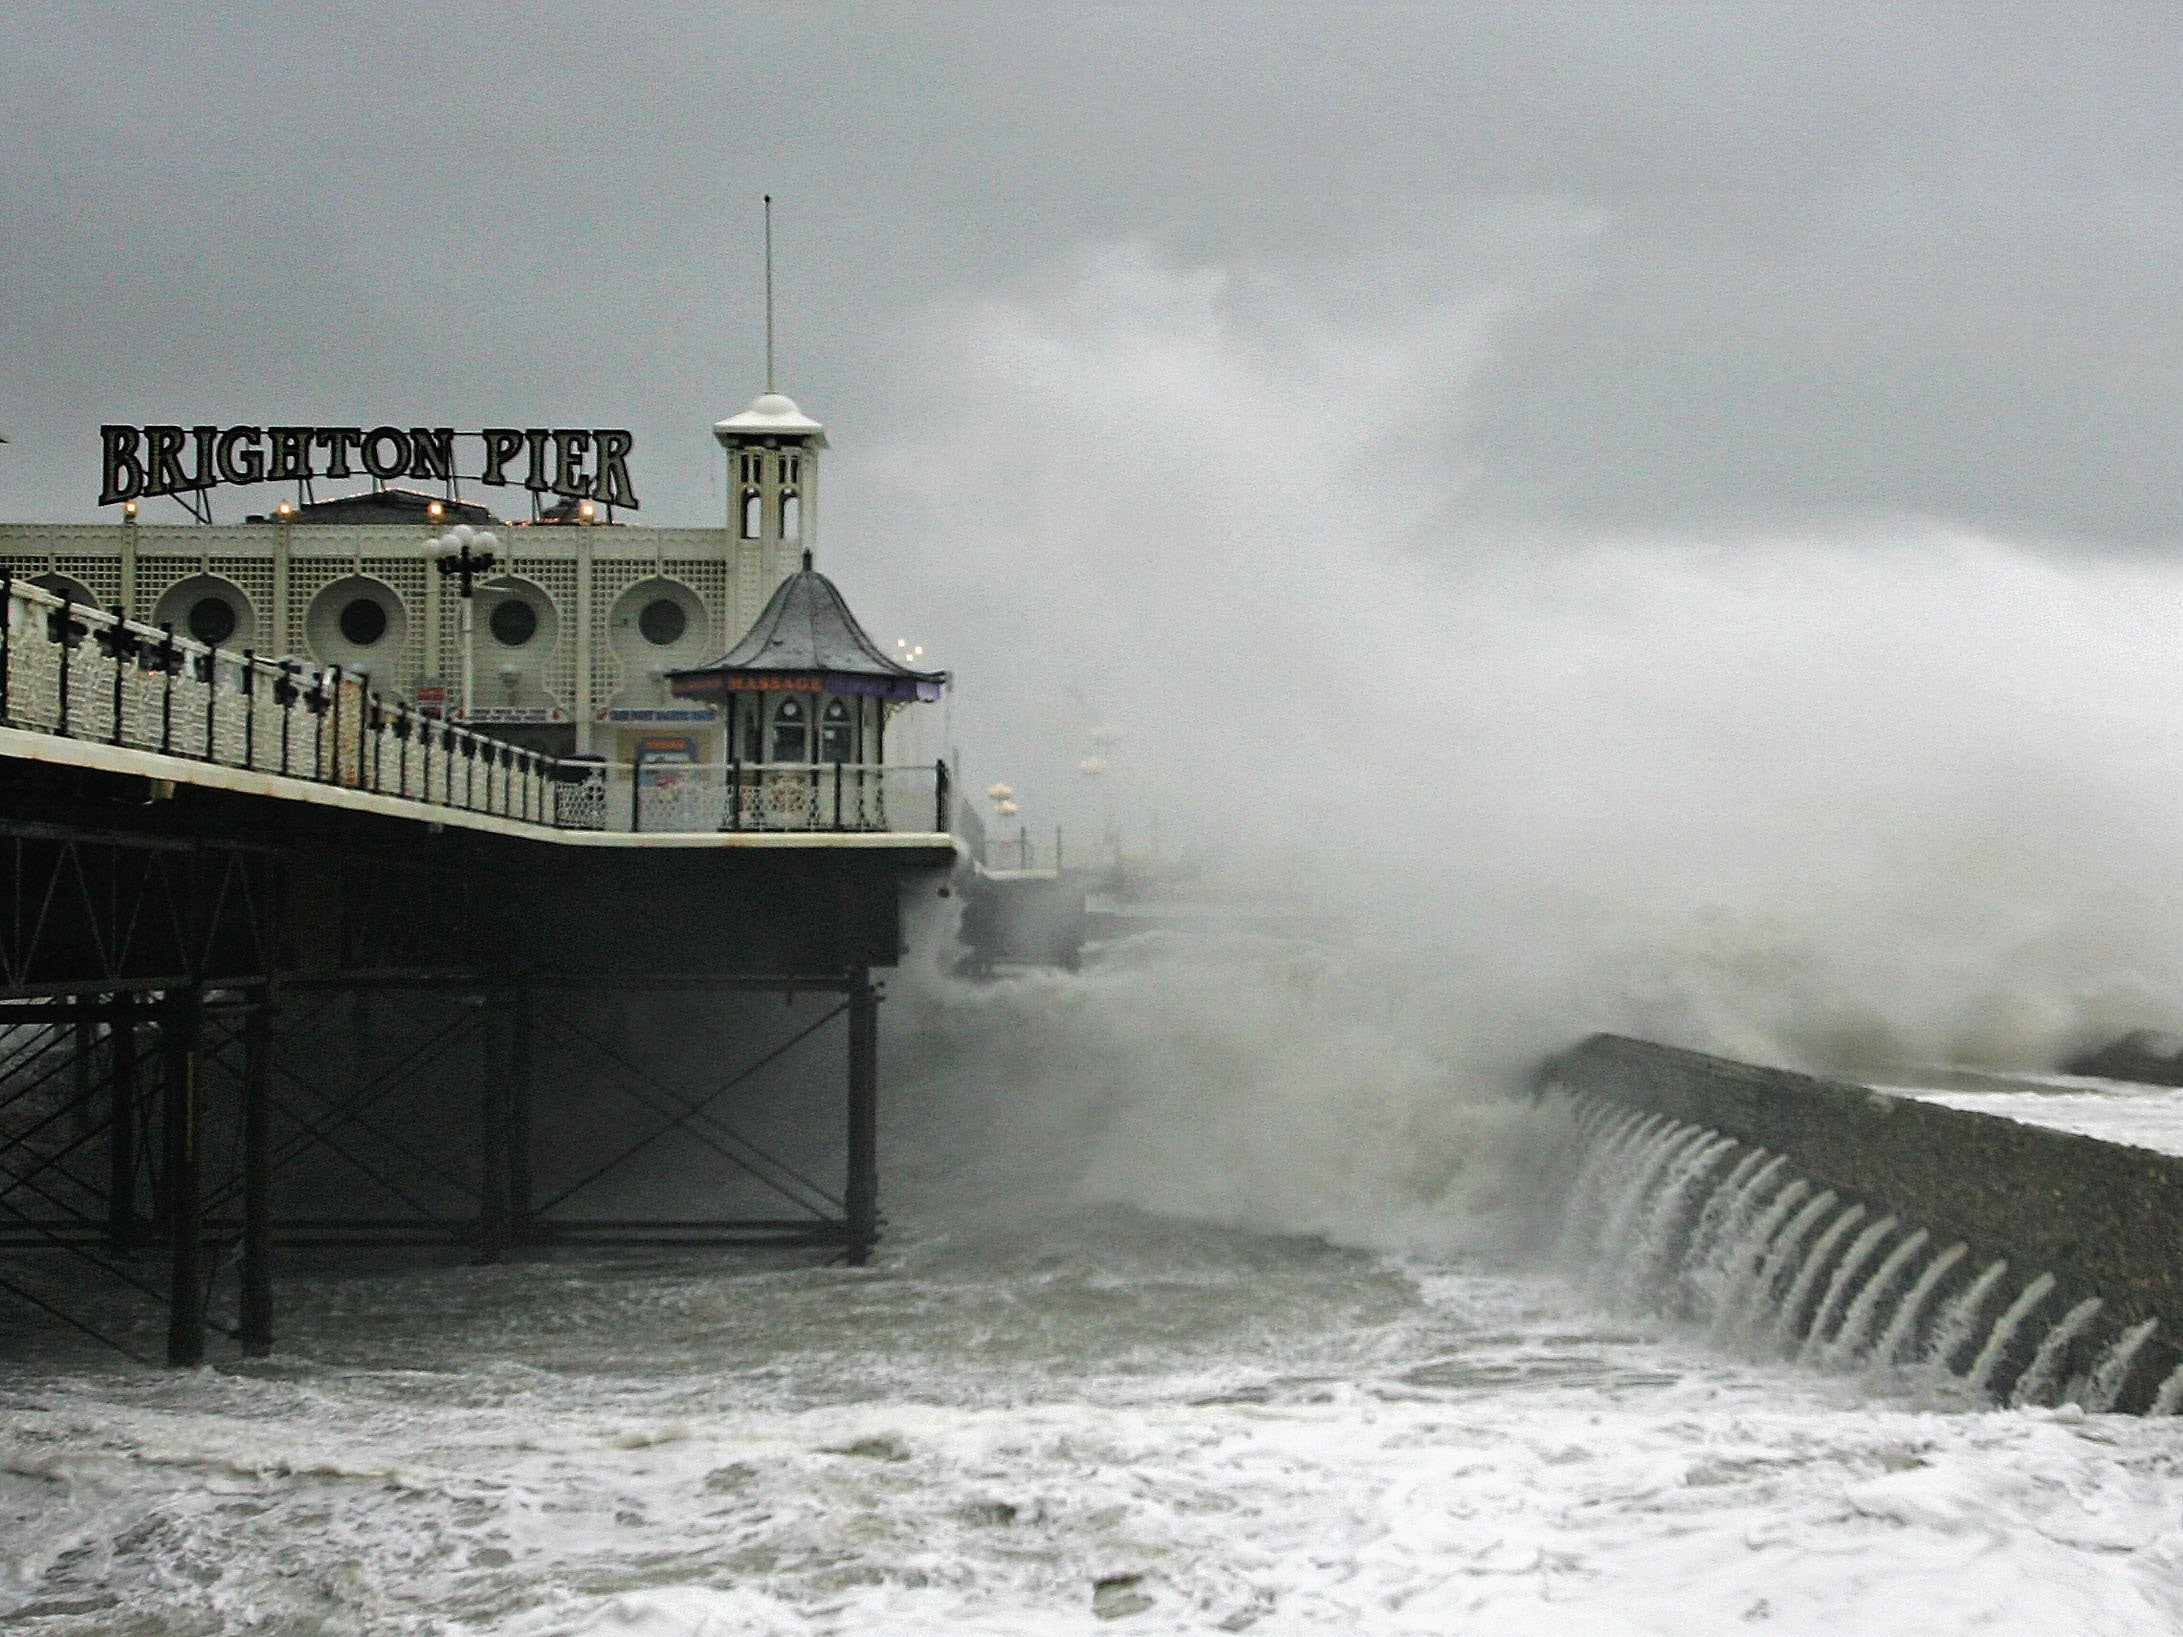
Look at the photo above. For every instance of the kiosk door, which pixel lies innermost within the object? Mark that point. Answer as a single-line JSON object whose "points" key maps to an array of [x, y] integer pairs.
{"points": [[671, 794]]}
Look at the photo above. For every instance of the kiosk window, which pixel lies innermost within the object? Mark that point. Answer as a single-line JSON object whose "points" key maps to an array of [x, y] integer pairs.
{"points": [[789, 731], [837, 732]]}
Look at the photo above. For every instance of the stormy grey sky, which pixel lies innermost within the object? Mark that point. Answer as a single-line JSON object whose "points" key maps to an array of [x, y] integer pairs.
{"points": [[1782, 261]]}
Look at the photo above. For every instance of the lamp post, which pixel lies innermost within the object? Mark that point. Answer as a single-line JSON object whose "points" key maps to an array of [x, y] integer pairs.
{"points": [[1003, 799], [465, 555]]}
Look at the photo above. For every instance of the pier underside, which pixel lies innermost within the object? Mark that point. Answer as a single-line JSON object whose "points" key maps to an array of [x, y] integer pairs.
{"points": [[231, 1023]]}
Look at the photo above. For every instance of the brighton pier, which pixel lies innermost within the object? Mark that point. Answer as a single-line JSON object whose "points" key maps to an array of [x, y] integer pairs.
{"points": [[303, 945], [143, 463]]}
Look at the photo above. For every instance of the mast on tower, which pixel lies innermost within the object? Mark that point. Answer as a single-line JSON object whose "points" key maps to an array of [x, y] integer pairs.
{"points": [[773, 466]]}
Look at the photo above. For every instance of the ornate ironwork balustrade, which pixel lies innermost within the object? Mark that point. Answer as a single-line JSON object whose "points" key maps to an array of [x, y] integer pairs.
{"points": [[77, 672]]}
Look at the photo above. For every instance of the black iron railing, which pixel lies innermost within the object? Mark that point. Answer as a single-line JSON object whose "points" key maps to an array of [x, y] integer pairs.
{"points": [[79, 672]]}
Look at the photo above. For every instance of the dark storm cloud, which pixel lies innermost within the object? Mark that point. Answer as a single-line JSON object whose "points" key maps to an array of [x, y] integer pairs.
{"points": [[1846, 260]]}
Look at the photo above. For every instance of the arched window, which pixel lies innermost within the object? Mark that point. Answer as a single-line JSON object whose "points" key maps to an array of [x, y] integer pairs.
{"points": [[837, 732], [791, 515], [791, 731], [754, 511]]}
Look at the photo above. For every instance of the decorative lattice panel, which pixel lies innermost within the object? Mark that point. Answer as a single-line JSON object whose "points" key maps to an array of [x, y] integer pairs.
{"points": [[253, 574], [406, 575], [556, 576], [708, 577], [101, 574], [308, 576]]}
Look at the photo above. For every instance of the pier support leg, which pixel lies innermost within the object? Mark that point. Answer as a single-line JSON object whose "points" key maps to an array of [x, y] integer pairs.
{"points": [[123, 1231], [493, 1135], [181, 1019], [257, 1270], [861, 1195], [83, 1043], [520, 1002]]}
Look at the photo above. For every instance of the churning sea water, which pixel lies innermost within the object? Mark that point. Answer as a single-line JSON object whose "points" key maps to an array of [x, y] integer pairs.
{"points": [[1103, 1421], [1178, 1328]]}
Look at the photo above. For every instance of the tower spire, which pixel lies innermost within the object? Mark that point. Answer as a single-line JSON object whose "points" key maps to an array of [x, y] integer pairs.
{"points": [[769, 292]]}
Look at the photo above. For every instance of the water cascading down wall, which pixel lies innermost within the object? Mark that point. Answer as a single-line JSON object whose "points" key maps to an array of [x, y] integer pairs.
{"points": [[1848, 1227]]}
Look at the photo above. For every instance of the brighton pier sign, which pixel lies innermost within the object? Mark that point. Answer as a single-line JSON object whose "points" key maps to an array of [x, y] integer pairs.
{"points": [[139, 462]]}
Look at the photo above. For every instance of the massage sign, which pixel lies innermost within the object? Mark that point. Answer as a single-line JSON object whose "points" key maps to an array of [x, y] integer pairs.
{"points": [[139, 462]]}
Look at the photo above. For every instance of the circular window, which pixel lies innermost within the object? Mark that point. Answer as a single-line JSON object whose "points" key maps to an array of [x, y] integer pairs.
{"points": [[514, 622], [663, 622], [363, 621], [211, 620]]}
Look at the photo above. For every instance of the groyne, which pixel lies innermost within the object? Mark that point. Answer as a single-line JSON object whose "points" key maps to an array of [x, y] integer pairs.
{"points": [[2034, 1264]]}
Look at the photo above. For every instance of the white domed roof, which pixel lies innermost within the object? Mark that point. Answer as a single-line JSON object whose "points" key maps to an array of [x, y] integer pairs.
{"points": [[771, 414]]}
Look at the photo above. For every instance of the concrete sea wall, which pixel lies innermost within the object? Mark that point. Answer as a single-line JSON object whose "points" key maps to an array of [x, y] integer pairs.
{"points": [[2104, 1220]]}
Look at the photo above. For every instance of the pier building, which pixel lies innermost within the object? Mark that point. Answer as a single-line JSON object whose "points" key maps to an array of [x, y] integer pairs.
{"points": [[579, 624]]}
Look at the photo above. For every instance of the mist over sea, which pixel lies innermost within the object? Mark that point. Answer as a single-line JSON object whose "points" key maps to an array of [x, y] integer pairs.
{"points": [[1222, 1289]]}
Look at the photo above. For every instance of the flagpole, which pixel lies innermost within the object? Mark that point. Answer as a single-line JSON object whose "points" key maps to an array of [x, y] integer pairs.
{"points": [[769, 292]]}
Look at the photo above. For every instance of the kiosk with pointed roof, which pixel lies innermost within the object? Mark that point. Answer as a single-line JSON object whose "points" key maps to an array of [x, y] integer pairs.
{"points": [[806, 694]]}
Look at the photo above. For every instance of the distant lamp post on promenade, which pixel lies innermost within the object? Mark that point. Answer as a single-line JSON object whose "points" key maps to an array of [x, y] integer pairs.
{"points": [[465, 555]]}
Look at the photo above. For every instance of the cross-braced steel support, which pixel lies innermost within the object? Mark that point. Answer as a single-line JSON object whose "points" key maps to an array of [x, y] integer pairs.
{"points": [[171, 1120], [119, 1166]]}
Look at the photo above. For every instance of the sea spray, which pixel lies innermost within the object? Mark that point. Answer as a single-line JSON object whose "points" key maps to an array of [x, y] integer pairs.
{"points": [[2004, 1331], [1760, 1240], [2036, 1384], [1592, 1193], [2169, 1398], [1658, 1157], [1958, 1321], [1759, 1308], [1720, 1205], [1840, 1285], [1911, 1309], [1807, 1276], [1712, 1259], [1738, 1289], [1863, 1314], [2103, 1389], [1659, 1238]]}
